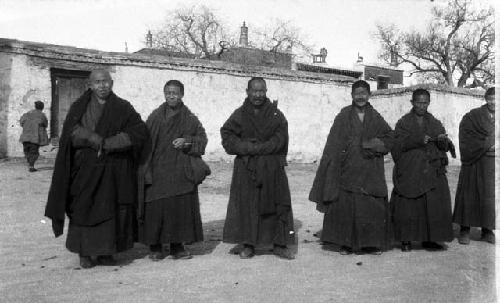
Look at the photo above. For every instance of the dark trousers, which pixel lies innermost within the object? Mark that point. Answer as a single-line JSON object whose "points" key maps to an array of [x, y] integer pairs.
{"points": [[31, 152]]}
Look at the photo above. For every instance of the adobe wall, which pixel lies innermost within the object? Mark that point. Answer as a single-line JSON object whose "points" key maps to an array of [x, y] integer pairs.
{"points": [[213, 90], [310, 102]]}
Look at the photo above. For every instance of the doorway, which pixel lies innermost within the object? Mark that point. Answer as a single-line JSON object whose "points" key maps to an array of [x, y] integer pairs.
{"points": [[67, 86]]}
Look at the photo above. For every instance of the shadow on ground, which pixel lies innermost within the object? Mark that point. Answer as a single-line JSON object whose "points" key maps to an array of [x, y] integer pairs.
{"points": [[212, 234]]}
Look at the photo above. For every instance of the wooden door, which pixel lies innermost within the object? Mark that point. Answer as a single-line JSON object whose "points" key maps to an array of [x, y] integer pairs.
{"points": [[66, 88]]}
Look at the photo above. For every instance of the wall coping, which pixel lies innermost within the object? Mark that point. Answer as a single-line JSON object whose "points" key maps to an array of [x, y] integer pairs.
{"points": [[75, 54], [430, 87]]}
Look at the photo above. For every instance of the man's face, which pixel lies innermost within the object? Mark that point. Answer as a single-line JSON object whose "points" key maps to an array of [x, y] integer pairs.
{"points": [[101, 84], [420, 104], [490, 102], [257, 92], [360, 96], [173, 95]]}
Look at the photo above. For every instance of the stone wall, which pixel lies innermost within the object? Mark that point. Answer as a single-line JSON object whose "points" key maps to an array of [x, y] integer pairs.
{"points": [[213, 90], [309, 107], [22, 85]]}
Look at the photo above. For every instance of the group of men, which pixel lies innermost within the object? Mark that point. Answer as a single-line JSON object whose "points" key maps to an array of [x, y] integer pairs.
{"points": [[120, 180]]}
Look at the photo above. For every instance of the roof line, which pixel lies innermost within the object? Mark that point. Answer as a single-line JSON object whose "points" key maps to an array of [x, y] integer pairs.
{"points": [[75, 54]]}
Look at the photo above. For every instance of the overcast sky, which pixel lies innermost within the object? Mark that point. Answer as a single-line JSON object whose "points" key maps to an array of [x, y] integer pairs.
{"points": [[344, 27]]}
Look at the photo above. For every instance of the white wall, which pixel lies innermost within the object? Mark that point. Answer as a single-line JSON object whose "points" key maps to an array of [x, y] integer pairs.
{"points": [[310, 107]]}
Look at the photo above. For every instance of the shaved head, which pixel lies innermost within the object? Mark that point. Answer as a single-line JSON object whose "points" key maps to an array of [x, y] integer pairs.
{"points": [[101, 72], [100, 83]]}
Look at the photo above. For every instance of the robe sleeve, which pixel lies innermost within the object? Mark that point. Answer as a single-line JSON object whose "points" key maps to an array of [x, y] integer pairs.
{"points": [[136, 131], [120, 141], [22, 120], [276, 142], [473, 144], [326, 184], [83, 137], [231, 141], [44, 122], [197, 142]]}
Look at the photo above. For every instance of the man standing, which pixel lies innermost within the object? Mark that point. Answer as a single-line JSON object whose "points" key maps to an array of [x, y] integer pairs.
{"points": [[475, 198], [259, 210], [169, 206], [420, 200], [350, 186], [95, 175], [34, 135]]}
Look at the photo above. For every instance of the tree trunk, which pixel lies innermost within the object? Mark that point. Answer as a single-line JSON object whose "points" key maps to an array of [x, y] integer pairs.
{"points": [[463, 79]]}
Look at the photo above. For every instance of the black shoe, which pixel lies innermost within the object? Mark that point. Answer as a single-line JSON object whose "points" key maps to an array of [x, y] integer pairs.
{"points": [[464, 237], [236, 249], [283, 252], [247, 252], [156, 255], [106, 260], [405, 246], [373, 250], [32, 170], [487, 235], [86, 262], [432, 245], [178, 252], [344, 250]]}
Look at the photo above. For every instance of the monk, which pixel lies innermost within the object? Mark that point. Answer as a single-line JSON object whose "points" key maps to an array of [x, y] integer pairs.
{"points": [[259, 210], [169, 207], [420, 200], [95, 174], [350, 186], [475, 198]]}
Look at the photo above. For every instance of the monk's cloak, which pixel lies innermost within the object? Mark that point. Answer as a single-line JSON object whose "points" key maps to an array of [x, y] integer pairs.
{"points": [[350, 185], [475, 197], [166, 173], [87, 187], [259, 209], [420, 201]]}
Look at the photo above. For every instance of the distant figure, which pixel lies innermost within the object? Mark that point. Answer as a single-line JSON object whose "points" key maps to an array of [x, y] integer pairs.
{"points": [[259, 210], [475, 198], [169, 206], [350, 186], [34, 135], [95, 174], [420, 200]]}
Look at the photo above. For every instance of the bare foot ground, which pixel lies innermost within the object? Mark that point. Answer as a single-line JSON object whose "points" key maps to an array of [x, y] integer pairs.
{"points": [[36, 267]]}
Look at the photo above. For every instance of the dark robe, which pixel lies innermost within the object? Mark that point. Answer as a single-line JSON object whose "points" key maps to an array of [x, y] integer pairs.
{"points": [[259, 209], [420, 200], [97, 191], [475, 198], [168, 198], [350, 186]]}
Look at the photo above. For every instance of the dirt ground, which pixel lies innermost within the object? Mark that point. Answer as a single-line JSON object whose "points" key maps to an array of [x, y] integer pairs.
{"points": [[36, 267]]}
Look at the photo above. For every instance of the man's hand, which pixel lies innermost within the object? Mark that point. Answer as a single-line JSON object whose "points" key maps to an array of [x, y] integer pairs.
{"points": [[96, 141], [179, 143], [426, 139]]}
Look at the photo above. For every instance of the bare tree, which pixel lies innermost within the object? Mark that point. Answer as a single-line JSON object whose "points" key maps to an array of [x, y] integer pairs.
{"points": [[457, 45], [195, 30], [281, 36], [198, 31]]}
